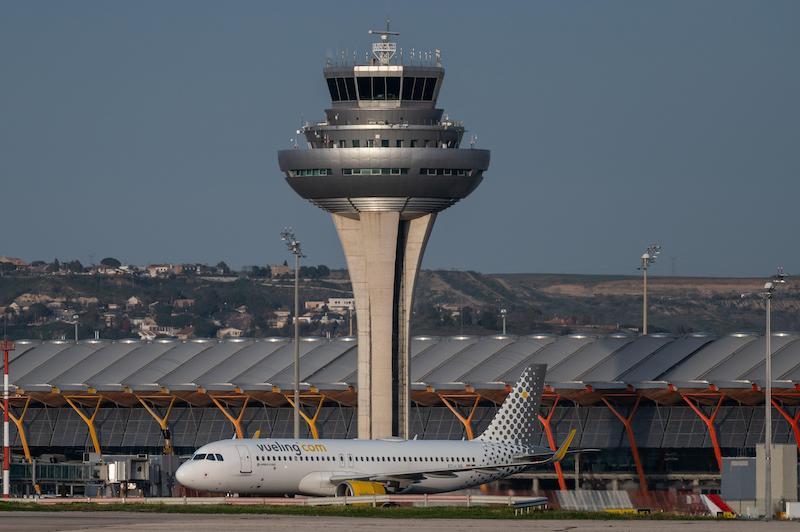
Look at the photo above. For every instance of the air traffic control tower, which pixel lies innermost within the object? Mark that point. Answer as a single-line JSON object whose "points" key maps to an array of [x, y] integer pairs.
{"points": [[384, 163]]}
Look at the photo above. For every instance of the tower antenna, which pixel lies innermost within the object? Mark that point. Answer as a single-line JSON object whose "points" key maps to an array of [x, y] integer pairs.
{"points": [[384, 50]]}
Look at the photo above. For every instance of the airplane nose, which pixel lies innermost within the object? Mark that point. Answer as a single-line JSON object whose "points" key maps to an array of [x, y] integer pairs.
{"points": [[182, 475]]}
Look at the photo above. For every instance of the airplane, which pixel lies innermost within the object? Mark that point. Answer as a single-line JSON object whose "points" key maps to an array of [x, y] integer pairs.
{"points": [[342, 467]]}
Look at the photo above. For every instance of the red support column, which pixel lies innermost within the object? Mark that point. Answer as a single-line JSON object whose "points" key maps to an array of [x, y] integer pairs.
{"points": [[627, 422], [545, 421], [792, 420], [709, 421]]}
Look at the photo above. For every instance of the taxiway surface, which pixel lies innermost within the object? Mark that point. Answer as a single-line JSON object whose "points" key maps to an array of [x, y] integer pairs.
{"points": [[138, 522]]}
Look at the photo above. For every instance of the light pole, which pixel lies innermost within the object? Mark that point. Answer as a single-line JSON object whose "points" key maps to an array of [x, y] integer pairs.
{"points": [[350, 317], [769, 290], [503, 313], [75, 319], [648, 257], [287, 235]]}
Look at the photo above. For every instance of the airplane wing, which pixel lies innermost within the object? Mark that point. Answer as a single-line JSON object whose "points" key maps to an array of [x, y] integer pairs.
{"points": [[415, 476]]}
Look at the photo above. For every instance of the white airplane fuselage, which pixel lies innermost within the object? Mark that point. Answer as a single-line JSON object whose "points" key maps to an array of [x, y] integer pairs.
{"points": [[288, 466]]}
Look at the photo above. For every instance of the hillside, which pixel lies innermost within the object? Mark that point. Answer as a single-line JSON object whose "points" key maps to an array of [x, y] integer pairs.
{"points": [[447, 302]]}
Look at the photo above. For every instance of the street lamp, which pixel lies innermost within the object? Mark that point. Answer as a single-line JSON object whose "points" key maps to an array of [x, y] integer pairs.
{"points": [[287, 235], [75, 319], [648, 257], [503, 313], [769, 290]]}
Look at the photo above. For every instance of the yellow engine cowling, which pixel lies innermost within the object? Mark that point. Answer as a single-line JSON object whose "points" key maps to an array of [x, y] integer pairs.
{"points": [[357, 488]]}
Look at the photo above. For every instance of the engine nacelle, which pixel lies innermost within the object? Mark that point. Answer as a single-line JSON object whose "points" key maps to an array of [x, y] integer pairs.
{"points": [[357, 488], [317, 484]]}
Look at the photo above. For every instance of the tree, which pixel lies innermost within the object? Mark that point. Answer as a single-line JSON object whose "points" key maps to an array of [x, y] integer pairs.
{"points": [[75, 266], [323, 271], [110, 262], [204, 328], [223, 268], [54, 266]]}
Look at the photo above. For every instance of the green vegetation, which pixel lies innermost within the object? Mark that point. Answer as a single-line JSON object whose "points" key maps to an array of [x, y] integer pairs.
{"points": [[398, 512]]}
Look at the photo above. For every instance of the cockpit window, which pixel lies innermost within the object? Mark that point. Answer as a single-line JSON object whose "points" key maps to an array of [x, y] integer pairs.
{"points": [[211, 457], [199, 457], [219, 457]]}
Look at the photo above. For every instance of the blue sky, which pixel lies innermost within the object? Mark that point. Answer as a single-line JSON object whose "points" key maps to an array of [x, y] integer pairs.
{"points": [[149, 130]]}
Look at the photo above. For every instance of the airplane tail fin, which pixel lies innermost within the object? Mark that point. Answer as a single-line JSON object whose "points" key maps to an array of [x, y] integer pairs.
{"points": [[516, 420]]}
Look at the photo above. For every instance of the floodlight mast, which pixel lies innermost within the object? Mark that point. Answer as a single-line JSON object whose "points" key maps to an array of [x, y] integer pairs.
{"points": [[769, 291], [648, 257], [287, 235], [503, 313]]}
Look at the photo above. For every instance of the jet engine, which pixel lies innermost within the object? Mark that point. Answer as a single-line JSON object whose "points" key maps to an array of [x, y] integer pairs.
{"points": [[357, 488]]}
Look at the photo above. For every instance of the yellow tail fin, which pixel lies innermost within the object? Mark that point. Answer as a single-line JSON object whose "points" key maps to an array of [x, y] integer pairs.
{"points": [[562, 451]]}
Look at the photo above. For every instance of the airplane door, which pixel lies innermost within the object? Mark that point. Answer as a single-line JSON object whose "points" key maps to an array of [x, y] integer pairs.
{"points": [[245, 462]]}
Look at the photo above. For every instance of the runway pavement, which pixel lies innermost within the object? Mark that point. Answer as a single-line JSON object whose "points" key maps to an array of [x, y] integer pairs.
{"points": [[152, 522]]}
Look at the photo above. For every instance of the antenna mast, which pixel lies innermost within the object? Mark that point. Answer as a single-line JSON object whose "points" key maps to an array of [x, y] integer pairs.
{"points": [[384, 50]]}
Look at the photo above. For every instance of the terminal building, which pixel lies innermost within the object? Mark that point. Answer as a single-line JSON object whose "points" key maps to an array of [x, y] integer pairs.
{"points": [[663, 410]]}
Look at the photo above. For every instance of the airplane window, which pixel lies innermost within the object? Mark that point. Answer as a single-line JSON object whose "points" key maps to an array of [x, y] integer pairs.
{"points": [[219, 458], [211, 457], [199, 457]]}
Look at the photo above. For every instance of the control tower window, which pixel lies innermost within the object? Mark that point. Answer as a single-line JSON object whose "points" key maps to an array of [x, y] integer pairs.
{"points": [[342, 89], [384, 143], [378, 88], [333, 89], [419, 85], [430, 85], [350, 84], [364, 88], [408, 88], [356, 143], [392, 88]]}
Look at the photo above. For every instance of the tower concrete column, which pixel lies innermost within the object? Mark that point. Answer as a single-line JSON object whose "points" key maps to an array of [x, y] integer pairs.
{"points": [[383, 256]]}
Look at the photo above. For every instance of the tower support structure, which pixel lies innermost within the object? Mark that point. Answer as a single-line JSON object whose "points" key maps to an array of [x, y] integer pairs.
{"points": [[383, 254]]}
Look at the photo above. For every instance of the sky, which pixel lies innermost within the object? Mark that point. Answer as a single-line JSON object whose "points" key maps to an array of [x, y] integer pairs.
{"points": [[148, 130]]}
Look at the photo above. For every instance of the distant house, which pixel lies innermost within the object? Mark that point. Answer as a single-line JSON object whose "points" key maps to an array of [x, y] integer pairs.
{"points": [[183, 303], [229, 332], [133, 302], [314, 305], [19, 263], [159, 270], [341, 304], [280, 320], [279, 270]]}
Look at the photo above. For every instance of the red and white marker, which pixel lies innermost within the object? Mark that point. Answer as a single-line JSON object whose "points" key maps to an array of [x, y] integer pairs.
{"points": [[6, 347]]}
